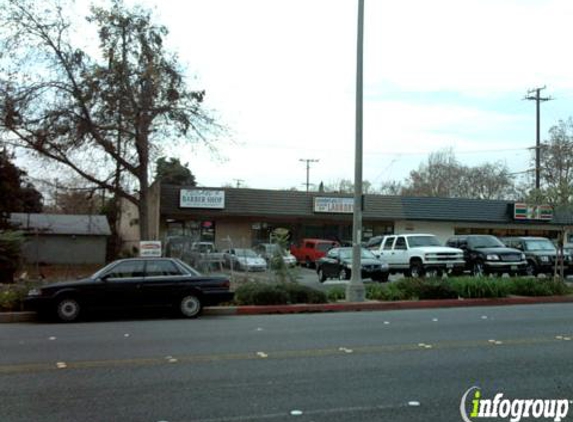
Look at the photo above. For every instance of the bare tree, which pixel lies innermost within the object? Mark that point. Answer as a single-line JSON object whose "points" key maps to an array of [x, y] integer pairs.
{"points": [[102, 115], [557, 164]]}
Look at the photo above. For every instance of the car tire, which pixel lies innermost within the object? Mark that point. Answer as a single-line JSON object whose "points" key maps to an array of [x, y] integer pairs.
{"points": [[478, 269], [416, 269], [344, 274], [531, 269], [68, 309], [190, 306], [321, 276]]}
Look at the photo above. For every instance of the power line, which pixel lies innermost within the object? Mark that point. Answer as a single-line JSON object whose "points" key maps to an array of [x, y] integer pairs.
{"points": [[538, 99]]}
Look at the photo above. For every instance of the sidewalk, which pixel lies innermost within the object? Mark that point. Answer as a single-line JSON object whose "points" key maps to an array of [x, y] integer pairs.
{"points": [[344, 307]]}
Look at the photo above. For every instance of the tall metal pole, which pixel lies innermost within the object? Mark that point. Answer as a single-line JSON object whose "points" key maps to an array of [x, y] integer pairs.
{"points": [[355, 291], [537, 98]]}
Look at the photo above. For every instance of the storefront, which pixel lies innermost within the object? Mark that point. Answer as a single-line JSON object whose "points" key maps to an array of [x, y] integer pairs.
{"points": [[246, 217]]}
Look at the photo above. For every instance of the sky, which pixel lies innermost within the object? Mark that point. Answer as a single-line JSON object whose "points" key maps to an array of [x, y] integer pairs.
{"points": [[280, 75]]}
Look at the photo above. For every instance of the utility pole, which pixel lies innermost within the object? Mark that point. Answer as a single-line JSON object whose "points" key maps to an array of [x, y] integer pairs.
{"points": [[537, 98], [355, 291], [308, 161]]}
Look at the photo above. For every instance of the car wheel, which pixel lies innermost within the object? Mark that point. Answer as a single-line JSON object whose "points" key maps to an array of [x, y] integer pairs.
{"points": [[530, 269], [478, 269], [344, 274], [416, 269], [68, 309], [190, 306], [321, 276]]}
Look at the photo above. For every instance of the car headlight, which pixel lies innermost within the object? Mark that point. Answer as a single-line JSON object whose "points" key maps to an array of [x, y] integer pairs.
{"points": [[544, 258], [492, 257], [523, 258], [35, 292]]}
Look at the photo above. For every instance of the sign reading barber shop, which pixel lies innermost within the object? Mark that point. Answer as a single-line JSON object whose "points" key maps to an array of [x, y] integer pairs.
{"points": [[201, 198]]}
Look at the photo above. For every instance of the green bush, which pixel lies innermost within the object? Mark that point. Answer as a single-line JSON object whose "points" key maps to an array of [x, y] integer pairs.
{"points": [[258, 293], [386, 292], [12, 296], [525, 286], [477, 288], [336, 293]]}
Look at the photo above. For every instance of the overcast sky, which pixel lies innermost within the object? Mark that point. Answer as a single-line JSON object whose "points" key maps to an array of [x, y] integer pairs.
{"points": [[442, 73]]}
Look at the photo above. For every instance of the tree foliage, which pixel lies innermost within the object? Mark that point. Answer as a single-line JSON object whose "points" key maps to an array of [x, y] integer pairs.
{"points": [[173, 172], [103, 114], [16, 193], [556, 172], [442, 175]]}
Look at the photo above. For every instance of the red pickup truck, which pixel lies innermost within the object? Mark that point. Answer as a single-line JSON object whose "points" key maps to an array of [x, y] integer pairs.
{"points": [[308, 251]]}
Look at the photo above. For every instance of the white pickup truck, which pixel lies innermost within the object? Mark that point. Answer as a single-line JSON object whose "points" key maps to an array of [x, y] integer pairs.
{"points": [[416, 255]]}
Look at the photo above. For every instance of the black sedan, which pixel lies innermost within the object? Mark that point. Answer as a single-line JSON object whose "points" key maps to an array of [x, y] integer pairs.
{"points": [[338, 264], [137, 283]]}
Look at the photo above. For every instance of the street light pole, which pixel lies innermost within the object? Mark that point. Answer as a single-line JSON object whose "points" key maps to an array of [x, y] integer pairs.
{"points": [[355, 291]]}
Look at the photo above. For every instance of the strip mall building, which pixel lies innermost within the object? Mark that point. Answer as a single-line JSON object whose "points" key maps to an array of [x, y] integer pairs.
{"points": [[245, 217]]}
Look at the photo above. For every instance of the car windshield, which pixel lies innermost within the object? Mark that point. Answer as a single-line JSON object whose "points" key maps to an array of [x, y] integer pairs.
{"points": [[417, 241], [247, 253], [484, 242], [539, 245], [364, 253]]}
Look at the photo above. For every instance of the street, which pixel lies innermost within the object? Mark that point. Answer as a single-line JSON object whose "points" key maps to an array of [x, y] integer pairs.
{"points": [[372, 366]]}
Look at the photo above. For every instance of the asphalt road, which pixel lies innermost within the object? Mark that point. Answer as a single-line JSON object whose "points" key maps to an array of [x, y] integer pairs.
{"points": [[371, 366]]}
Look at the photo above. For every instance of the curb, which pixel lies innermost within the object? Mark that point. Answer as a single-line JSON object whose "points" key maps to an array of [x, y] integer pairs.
{"points": [[344, 307], [382, 306]]}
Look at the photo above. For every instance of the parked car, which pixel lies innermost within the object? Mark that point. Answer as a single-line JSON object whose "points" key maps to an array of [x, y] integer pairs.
{"points": [[132, 283], [338, 264], [486, 254], [244, 259], [273, 251], [308, 251], [540, 252], [417, 255]]}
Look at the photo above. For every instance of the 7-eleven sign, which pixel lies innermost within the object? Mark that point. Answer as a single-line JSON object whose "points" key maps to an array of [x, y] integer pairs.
{"points": [[532, 212]]}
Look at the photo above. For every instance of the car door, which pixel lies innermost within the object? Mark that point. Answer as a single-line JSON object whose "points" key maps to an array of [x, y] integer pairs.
{"points": [[385, 251], [162, 284], [330, 263], [399, 254], [122, 284]]}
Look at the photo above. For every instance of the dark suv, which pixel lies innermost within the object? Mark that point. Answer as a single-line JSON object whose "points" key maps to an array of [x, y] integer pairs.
{"points": [[485, 254], [540, 252]]}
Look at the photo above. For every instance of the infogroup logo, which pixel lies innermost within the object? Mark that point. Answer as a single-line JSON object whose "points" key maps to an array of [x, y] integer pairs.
{"points": [[514, 409]]}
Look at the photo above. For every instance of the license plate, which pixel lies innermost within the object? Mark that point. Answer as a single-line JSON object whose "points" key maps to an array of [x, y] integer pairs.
{"points": [[514, 267], [449, 265]]}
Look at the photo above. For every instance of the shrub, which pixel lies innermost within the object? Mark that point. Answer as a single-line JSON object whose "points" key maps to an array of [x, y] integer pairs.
{"points": [[336, 293], [525, 286], [476, 288], [12, 296], [258, 293], [386, 292]]}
